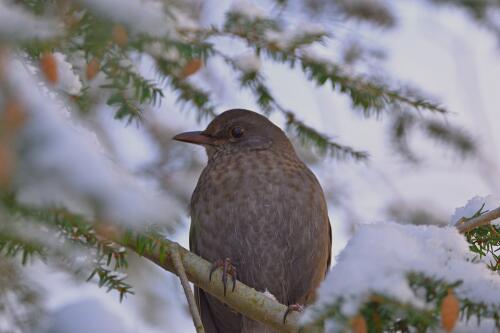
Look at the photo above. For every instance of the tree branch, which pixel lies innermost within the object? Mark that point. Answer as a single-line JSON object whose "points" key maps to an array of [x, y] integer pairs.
{"points": [[245, 300], [181, 272], [465, 225]]}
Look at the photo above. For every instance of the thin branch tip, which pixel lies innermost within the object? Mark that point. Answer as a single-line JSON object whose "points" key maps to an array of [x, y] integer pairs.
{"points": [[483, 219], [181, 273]]}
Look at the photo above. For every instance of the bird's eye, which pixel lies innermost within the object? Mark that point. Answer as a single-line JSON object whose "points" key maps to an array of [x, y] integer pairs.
{"points": [[236, 132]]}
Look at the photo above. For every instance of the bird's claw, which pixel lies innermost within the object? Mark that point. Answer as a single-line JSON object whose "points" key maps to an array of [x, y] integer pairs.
{"points": [[292, 307], [227, 269]]}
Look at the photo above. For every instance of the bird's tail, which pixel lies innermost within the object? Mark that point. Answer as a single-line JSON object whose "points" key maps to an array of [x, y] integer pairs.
{"points": [[218, 318], [206, 314], [251, 326]]}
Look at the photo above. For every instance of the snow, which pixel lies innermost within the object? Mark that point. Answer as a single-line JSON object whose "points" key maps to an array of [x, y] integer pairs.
{"points": [[311, 28], [284, 39], [184, 21], [172, 54], [268, 294], [379, 256], [68, 81], [157, 306], [63, 163], [16, 23], [472, 207], [279, 38], [248, 62], [142, 16], [74, 318], [248, 9]]}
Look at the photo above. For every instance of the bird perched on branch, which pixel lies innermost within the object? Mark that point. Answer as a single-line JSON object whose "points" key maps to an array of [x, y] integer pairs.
{"points": [[259, 213]]}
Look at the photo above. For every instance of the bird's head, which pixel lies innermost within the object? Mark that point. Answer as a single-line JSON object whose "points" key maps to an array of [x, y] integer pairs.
{"points": [[236, 130]]}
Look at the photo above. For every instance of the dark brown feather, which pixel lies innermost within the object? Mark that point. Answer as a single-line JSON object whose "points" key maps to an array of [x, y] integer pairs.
{"points": [[257, 203]]}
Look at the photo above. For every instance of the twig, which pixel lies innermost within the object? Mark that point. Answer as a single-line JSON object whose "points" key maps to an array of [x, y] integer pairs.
{"points": [[467, 225], [195, 313]]}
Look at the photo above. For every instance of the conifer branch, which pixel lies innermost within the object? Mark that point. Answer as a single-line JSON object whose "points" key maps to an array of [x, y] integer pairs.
{"points": [[110, 242], [245, 300], [170, 256], [307, 135], [465, 225]]}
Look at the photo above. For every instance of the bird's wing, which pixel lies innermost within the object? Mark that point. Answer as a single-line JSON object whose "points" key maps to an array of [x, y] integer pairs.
{"points": [[329, 260], [205, 312], [194, 250], [199, 294], [192, 243], [216, 317]]}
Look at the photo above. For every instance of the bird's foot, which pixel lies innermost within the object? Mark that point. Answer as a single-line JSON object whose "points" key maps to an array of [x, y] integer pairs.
{"points": [[227, 269], [292, 307]]}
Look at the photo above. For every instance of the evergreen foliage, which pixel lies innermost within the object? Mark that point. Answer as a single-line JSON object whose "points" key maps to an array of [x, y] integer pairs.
{"points": [[485, 241], [385, 314], [104, 258], [89, 35], [103, 53]]}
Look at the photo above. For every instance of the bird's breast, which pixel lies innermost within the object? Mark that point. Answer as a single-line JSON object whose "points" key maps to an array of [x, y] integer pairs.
{"points": [[254, 183], [255, 198], [265, 212]]}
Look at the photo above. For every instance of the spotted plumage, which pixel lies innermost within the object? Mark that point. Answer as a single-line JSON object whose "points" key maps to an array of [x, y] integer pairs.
{"points": [[257, 203]]}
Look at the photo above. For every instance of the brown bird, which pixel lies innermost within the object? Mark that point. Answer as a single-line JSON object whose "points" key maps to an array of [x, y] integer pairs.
{"points": [[259, 205]]}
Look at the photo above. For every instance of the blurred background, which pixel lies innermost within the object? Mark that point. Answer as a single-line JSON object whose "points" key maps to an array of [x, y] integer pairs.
{"points": [[447, 50]]}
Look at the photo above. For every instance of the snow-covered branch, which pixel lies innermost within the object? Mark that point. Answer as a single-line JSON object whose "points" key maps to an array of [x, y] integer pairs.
{"points": [[245, 300], [388, 266], [465, 225], [404, 271]]}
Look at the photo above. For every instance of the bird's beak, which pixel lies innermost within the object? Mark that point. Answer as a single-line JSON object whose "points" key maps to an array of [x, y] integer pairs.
{"points": [[196, 137]]}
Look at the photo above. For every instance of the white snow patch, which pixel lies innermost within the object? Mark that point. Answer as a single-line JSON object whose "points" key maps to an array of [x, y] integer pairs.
{"points": [[17, 23], [172, 54], [142, 16], [63, 163], [183, 20], [159, 50], [310, 28], [268, 294], [68, 81], [248, 9], [248, 62], [473, 205], [285, 38], [378, 258], [279, 38]]}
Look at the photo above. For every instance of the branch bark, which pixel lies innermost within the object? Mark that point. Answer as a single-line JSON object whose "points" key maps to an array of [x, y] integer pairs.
{"points": [[193, 308], [467, 225], [245, 300]]}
